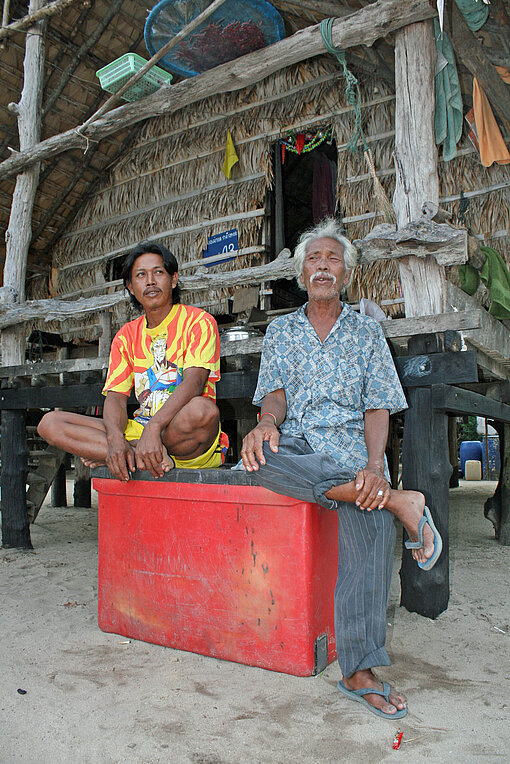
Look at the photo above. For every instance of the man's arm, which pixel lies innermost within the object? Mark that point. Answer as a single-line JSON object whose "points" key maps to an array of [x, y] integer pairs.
{"points": [[274, 404], [149, 450], [371, 480], [120, 457]]}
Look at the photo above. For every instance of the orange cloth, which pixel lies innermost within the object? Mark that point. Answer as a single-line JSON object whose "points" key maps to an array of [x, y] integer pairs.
{"points": [[492, 146]]}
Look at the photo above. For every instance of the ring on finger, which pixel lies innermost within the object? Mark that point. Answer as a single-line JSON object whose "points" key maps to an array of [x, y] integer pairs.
{"points": [[380, 493]]}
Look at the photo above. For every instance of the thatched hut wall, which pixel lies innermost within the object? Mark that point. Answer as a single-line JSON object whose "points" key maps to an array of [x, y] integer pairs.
{"points": [[170, 185]]}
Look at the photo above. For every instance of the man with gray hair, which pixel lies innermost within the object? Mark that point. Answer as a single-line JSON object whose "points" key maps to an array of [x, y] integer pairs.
{"points": [[327, 385]]}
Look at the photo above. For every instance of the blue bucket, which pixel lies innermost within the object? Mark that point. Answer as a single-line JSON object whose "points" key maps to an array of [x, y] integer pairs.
{"points": [[470, 449]]}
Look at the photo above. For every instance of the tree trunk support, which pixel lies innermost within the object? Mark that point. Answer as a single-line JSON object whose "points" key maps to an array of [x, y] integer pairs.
{"points": [[15, 524], [82, 495], [426, 468], [15, 530], [417, 180], [497, 507], [59, 488]]}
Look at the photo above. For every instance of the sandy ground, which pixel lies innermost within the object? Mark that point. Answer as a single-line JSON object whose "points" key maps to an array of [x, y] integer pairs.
{"points": [[95, 697]]}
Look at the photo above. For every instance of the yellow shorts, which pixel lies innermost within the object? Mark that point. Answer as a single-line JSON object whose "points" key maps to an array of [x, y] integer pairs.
{"points": [[213, 458]]}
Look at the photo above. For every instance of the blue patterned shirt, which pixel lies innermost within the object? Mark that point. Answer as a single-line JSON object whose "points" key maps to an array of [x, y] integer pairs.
{"points": [[328, 385]]}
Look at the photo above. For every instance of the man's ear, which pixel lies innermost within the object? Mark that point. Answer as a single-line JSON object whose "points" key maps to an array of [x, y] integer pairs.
{"points": [[347, 277], [129, 287], [175, 279]]}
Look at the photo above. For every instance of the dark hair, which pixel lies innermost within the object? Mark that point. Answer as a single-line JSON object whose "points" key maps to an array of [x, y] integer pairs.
{"points": [[152, 248]]}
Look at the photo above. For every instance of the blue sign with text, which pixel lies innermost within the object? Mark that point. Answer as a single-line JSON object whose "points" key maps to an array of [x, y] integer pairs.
{"points": [[219, 244]]}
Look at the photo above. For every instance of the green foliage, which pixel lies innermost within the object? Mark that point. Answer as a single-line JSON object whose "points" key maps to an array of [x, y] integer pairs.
{"points": [[467, 430]]}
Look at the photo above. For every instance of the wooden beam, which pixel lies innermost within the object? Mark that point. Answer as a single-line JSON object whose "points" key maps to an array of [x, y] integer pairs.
{"points": [[470, 51], [58, 310], [399, 327], [38, 15], [448, 245], [456, 400], [363, 27], [232, 385], [492, 337], [437, 368], [324, 8], [396, 328]]}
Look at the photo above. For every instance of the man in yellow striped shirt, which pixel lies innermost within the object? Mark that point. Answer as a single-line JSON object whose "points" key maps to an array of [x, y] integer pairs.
{"points": [[171, 357]]}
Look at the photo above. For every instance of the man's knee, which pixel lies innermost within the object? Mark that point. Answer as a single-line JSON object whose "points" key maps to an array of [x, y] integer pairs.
{"points": [[203, 413], [49, 425]]}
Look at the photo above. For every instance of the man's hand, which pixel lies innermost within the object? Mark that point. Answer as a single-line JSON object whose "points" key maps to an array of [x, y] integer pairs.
{"points": [[149, 451], [374, 489], [120, 458], [252, 453]]}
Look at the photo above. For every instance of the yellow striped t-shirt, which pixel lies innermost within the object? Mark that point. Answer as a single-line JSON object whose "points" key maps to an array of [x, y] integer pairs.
{"points": [[153, 360]]}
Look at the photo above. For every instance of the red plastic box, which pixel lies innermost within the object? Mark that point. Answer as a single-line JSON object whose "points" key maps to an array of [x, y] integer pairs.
{"points": [[227, 570]]}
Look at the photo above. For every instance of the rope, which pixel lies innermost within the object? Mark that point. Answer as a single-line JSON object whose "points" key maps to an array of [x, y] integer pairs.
{"points": [[352, 92]]}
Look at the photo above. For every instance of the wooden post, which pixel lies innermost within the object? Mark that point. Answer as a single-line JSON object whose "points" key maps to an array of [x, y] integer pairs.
{"points": [[105, 338], [504, 480], [417, 180], [59, 488], [82, 496], [15, 525], [425, 462], [497, 507], [15, 528], [426, 468], [453, 452]]}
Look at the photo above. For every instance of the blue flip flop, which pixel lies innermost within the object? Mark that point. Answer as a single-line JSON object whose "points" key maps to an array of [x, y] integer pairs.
{"points": [[357, 695], [438, 542]]}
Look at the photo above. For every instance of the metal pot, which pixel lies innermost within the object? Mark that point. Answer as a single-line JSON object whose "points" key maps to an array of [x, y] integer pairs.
{"points": [[240, 362]]}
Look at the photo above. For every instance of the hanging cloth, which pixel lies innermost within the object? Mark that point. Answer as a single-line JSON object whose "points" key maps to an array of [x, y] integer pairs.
{"points": [[448, 113], [323, 203], [492, 146], [475, 13], [496, 277], [230, 157]]}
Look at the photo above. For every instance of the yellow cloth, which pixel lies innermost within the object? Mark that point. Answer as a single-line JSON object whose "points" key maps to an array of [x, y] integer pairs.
{"points": [[230, 156], [213, 458], [492, 146]]}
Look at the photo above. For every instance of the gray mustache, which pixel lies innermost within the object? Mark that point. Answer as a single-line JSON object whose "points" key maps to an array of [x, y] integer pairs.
{"points": [[329, 276]]}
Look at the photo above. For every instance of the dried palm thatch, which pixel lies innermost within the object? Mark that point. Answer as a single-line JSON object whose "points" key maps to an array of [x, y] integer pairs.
{"points": [[170, 179]]}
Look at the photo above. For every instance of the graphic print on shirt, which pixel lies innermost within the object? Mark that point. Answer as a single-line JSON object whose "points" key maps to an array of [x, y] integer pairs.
{"points": [[154, 386]]}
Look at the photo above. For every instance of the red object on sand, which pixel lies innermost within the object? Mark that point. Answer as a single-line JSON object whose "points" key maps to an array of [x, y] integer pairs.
{"points": [[397, 739], [231, 571]]}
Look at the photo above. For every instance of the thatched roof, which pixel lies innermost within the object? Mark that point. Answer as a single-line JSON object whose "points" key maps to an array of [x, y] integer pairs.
{"points": [[145, 173]]}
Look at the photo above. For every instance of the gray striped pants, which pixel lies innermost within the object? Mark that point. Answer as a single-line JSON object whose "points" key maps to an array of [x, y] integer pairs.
{"points": [[365, 549]]}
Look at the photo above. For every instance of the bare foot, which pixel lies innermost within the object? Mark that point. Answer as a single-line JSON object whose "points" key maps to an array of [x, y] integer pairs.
{"points": [[168, 462], [91, 463], [410, 511], [365, 678]]}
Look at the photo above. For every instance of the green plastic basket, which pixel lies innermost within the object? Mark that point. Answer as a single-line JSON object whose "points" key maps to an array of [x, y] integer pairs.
{"points": [[114, 75]]}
